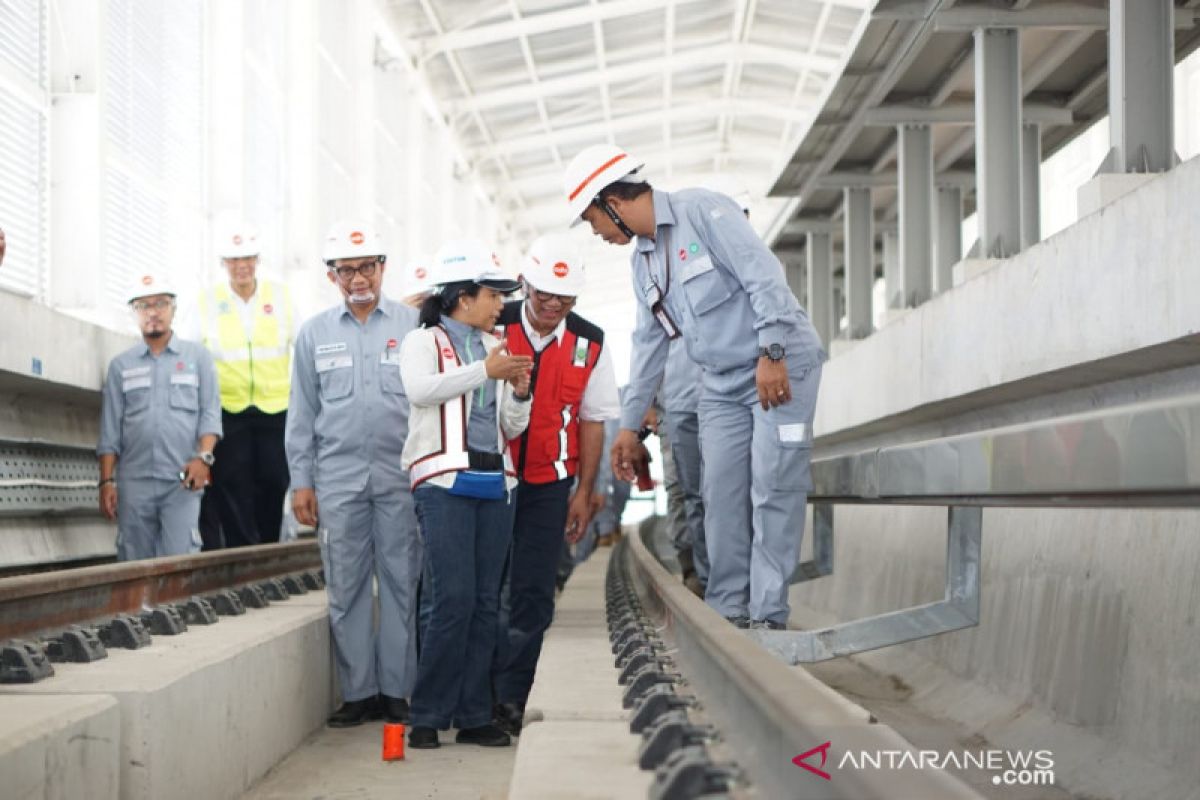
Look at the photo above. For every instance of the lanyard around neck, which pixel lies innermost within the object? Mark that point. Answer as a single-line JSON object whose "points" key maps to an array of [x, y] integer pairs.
{"points": [[666, 287]]}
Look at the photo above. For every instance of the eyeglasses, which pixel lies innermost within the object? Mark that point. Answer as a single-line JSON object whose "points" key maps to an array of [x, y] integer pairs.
{"points": [[346, 274], [547, 297], [142, 306]]}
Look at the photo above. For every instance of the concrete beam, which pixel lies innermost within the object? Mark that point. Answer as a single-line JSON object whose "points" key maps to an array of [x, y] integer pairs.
{"points": [[1141, 57], [860, 260], [870, 180], [1031, 185], [998, 140], [820, 295], [916, 211], [960, 114], [947, 241]]}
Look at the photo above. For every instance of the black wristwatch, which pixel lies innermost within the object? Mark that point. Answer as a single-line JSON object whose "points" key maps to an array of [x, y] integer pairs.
{"points": [[775, 352]]}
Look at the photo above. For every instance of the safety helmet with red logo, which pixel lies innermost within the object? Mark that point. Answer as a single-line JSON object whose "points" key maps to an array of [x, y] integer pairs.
{"points": [[237, 240], [351, 239], [149, 285], [418, 278], [554, 264], [596, 167], [469, 260]]}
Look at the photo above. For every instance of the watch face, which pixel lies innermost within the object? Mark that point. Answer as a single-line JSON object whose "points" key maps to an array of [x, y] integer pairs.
{"points": [[775, 352]]}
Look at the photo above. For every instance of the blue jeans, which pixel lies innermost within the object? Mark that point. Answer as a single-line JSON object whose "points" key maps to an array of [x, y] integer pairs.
{"points": [[466, 540]]}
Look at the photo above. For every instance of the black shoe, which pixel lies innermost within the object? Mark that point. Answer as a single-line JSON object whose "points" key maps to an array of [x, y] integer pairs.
{"points": [[423, 738], [508, 717], [768, 625], [484, 736], [738, 621], [355, 712], [395, 709]]}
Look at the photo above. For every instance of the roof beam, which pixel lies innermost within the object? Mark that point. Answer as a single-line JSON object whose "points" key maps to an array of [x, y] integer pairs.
{"points": [[874, 180], [640, 69], [1067, 16], [535, 24], [642, 119]]}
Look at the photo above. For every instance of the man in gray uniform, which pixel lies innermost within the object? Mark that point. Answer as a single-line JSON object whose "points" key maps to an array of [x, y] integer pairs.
{"points": [[701, 272], [159, 421], [346, 426], [680, 397]]}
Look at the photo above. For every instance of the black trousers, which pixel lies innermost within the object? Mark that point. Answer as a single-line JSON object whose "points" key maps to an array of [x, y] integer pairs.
{"points": [[538, 533], [244, 505]]}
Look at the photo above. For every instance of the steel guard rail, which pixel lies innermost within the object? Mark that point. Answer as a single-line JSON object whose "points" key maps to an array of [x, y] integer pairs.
{"points": [[1138, 456], [771, 713]]}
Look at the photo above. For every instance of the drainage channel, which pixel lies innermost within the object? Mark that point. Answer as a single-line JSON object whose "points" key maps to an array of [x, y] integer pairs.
{"points": [[720, 716], [77, 615]]}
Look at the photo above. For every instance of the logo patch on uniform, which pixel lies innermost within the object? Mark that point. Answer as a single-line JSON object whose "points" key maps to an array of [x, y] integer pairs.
{"points": [[561, 269], [581, 353], [682, 254], [357, 237], [447, 354], [391, 343], [420, 273], [693, 248], [179, 366], [268, 309]]}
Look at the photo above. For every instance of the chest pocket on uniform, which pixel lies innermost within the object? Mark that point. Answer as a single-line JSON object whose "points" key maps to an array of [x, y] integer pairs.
{"points": [[184, 392], [389, 375], [336, 374], [136, 391], [704, 285]]}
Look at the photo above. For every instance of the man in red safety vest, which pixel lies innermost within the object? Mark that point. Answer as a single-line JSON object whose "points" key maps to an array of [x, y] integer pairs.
{"points": [[574, 392]]}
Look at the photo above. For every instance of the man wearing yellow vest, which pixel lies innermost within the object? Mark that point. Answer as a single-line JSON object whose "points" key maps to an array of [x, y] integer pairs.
{"points": [[248, 324]]}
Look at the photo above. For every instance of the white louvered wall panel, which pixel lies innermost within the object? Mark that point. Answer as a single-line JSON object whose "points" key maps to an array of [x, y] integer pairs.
{"points": [[153, 122], [24, 182]]}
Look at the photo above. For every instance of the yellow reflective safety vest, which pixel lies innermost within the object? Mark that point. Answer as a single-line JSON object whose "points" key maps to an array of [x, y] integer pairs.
{"points": [[252, 371]]}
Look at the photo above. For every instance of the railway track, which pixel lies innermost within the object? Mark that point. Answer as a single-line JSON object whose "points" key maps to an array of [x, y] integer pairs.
{"points": [[76, 614], [701, 691]]}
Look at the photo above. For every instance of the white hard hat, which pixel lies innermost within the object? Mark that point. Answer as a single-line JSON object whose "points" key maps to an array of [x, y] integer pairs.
{"points": [[470, 260], [238, 240], [554, 265], [351, 239], [148, 286], [418, 276], [596, 167]]}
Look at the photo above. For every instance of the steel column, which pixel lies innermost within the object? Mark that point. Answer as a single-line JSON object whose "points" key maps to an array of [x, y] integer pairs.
{"points": [[1141, 61], [820, 290], [914, 153], [891, 271], [860, 257], [998, 140], [1031, 184], [947, 247]]}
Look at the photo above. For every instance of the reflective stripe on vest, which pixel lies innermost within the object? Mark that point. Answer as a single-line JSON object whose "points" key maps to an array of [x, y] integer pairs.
{"points": [[452, 455], [252, 371]]}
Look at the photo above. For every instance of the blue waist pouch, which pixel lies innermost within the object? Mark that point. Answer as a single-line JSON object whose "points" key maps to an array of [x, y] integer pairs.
{"points": [[480, 485]]}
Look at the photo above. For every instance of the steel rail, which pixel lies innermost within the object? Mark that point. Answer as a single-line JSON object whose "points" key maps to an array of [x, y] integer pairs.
{"points": [[770, 713], [52, 600]]}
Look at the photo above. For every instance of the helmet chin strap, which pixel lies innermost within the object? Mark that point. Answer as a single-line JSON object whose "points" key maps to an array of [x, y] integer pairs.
{"points": [[603, 205]]}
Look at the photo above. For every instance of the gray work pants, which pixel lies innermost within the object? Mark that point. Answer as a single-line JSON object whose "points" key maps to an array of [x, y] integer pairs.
{"points": [[365, 536], [156, 518], [755, 489], [683, 433]]}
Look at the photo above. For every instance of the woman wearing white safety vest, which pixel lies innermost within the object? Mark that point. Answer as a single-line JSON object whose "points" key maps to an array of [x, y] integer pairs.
{"points": [[469, 397]]}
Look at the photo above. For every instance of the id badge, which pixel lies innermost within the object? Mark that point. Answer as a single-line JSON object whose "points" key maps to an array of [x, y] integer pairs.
{"points": [[664, 319]]}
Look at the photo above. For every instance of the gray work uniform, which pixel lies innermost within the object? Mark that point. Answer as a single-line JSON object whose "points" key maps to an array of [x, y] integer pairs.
{"points": [[154, 409], [346, 425], [725, 291], [680, 399]]}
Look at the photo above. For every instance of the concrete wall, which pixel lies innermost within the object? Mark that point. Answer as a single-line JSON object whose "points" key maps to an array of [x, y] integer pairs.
{"points": [[1087, 642]]}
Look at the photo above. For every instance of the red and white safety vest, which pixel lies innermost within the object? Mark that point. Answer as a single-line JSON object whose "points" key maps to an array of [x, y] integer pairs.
{"points": [[452, 456], [548, 450]]}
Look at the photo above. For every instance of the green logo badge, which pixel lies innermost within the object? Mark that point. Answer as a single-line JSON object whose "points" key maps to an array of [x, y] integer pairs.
{"points": [[581, 354], [693, 248]]}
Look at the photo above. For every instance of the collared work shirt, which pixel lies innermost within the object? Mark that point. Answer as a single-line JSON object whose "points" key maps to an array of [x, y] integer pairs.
{"points": [[481, 416], [348, 413], [600, 401], [720, 284], [154, 409]]}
